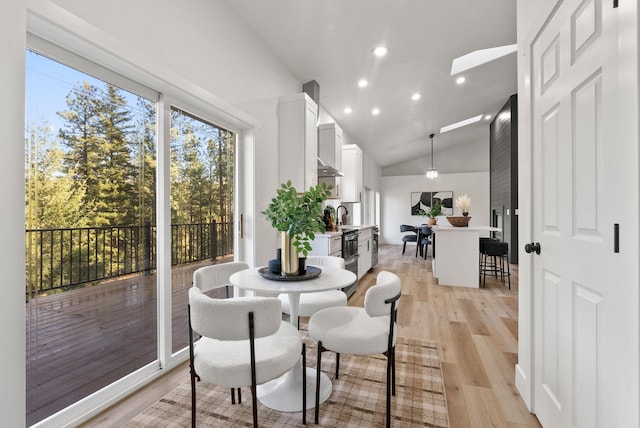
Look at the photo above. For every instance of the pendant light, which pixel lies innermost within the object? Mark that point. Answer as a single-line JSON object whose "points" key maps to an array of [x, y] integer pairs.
{"points": [[432, 172]]}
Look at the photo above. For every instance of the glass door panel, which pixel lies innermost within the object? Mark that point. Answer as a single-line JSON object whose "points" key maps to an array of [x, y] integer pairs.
{"points": [[90, 150], [202, 199]]}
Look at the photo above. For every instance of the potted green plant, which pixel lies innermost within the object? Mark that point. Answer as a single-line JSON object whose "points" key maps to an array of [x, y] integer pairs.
{"points": [[298, 217], [433, 212]]}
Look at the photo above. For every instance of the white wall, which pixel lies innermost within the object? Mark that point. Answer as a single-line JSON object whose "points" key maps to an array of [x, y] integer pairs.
{"points": [[473, 157], [396, 200]]}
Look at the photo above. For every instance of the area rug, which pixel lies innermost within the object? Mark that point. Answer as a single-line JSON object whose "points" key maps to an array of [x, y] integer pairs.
{"points": [[358, 397]]}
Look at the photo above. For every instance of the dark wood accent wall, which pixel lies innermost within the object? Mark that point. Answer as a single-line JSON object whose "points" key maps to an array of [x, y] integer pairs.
{"points": [[503, 138]]}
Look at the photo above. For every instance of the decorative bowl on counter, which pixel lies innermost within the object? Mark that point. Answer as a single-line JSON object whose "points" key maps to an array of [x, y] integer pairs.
{"points": [[459, 221]]}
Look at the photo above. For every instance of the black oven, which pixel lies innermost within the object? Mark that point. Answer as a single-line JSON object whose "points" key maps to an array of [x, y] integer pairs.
{"points": [[350, 255]]}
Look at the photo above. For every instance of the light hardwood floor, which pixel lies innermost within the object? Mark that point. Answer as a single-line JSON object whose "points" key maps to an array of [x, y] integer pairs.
{"points": [[477, 330]]}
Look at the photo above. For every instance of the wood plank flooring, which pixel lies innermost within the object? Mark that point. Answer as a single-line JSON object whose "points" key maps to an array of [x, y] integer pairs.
{"points": [[476, 329]]}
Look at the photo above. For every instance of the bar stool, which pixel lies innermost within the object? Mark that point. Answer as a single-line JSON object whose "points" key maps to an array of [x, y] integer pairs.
{"points": [[498, 252], [484, 263]]}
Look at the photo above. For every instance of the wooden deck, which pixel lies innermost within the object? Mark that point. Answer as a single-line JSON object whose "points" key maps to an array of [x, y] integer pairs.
{"points": [[79, 341]]}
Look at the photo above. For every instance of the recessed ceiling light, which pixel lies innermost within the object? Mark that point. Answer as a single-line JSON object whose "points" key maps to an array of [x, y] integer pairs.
{"points": [[460, 124], [380, 51], [416, 96], [348, 110], [487, 117], [460, 80], [363, 83], [375, 111]]}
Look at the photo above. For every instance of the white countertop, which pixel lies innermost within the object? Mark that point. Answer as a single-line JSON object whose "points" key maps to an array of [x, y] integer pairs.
{"points": [[330, 233], [354, 227], [465, 229]]}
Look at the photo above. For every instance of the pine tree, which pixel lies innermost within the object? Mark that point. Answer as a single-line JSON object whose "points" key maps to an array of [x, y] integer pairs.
{"points": [[115, 180], [54, 198], [79, 134], [96, 132], [144, 161]]}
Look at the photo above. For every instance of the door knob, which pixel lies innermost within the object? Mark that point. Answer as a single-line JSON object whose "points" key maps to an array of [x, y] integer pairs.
{"points": [[533, 247]]}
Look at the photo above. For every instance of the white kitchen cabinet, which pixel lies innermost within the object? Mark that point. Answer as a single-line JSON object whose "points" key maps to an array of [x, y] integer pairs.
{"points": [[330, 156], [330, 145], [329, 244], [352, 170], [365, 243], [298, 141]]}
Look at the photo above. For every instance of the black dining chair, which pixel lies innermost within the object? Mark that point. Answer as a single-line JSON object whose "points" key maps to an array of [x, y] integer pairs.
{"points": [[409, 237], [424, 240]]}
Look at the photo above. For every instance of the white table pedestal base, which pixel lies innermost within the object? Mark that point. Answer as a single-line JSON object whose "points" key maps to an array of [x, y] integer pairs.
{"points": [[285, 393]]}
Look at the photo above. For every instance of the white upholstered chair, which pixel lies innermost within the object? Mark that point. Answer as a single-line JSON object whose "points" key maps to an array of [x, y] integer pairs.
{"points": [[310, 303], [216, 276], [243, 342], [361, 331]]}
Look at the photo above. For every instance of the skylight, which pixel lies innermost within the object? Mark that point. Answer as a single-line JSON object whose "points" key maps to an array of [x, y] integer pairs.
{"points": [[479, 57], [460, 124]]}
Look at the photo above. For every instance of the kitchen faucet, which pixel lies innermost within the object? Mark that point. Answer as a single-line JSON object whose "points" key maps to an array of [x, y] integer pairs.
{"points": [[346, 213]]}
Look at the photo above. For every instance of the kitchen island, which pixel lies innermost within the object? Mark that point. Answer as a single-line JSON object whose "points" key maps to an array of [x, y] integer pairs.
{"points": [[456, 254]]}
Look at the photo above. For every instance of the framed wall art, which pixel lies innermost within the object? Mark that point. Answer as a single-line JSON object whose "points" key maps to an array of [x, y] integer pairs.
{"points": [[423, 200]]}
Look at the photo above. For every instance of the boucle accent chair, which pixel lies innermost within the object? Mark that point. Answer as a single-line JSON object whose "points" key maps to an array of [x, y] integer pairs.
{"points": [[310, 303], [361, 331], [216, 276], [243, 342]]}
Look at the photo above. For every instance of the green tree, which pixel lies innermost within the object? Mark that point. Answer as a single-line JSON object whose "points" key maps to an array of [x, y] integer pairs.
{"points": [[79, 134], [54, 198], [96, 129], [115, 169], [144, 161]]}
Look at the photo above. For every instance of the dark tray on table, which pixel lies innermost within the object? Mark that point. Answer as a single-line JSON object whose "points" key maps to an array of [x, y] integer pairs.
{"points": [[312, 272]]}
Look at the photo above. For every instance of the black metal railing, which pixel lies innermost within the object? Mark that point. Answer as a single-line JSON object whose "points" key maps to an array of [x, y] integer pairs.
{"points": [[62, 258]]}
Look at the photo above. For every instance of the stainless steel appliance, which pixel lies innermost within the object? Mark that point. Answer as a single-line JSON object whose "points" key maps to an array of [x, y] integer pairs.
{"points": [[350, 255], [374, 248]]}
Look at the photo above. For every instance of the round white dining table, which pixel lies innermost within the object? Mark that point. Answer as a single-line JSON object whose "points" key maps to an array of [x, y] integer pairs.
{"points": [[284, 393]]}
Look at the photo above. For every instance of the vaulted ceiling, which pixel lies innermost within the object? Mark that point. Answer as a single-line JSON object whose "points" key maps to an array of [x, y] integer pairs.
{"points": [[331, 42]]}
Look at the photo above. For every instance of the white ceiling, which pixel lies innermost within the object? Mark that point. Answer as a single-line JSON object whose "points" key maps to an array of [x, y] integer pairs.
{"points": [[330, 41]]}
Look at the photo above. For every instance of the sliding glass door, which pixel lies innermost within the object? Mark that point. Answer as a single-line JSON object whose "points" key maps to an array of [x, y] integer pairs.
{"points": [[202, 180], [90, 149]]}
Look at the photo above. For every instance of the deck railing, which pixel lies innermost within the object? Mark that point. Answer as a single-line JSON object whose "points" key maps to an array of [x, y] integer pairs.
{"points": [[63, 258]]}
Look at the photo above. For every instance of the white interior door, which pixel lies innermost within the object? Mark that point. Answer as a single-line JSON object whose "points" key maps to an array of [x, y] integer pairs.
{"points": [[582, 289]]}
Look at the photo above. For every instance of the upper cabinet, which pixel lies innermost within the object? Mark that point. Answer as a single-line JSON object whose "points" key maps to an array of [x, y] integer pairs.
{"points": [[330, 146], [352, 170], [298, 141], [330, 156]]}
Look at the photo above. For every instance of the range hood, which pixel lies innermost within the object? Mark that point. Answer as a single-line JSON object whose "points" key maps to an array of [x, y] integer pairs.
{"points": [[325, 170]]}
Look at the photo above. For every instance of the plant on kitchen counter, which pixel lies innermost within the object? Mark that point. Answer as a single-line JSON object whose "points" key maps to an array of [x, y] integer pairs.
{"points": [[432, 212], [435, 209]]}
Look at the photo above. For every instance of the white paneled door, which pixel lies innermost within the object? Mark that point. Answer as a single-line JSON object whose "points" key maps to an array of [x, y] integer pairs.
{"points": [[581, 281]]}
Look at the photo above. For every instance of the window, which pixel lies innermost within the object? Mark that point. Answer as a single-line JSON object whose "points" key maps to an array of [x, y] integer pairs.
{"points": [[202, 178], [90, 234], [96, 256]]}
